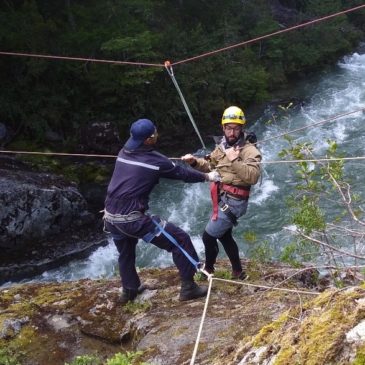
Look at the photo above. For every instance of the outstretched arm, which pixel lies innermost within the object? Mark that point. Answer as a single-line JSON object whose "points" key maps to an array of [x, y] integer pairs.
{"points": [[199, 164]]}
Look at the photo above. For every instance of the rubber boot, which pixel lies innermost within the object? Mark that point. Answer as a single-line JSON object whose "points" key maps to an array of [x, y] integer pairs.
{"points": [[127, 295], [190, 290]]}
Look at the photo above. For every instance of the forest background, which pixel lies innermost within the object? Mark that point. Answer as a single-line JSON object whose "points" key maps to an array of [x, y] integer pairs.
{"points": [[40, 98]]}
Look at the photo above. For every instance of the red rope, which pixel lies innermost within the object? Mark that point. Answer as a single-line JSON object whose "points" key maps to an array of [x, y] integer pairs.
{"points": [[56, 154], [81, 59], [337, 116], [191, 58], [268, 35]]}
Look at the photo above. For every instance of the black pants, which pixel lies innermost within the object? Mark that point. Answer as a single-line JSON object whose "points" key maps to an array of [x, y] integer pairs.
{"points": [[126, 246], [212, 250]]}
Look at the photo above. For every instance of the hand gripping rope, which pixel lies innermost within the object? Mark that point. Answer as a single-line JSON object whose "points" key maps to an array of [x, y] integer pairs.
{"points": [[171, 74]]}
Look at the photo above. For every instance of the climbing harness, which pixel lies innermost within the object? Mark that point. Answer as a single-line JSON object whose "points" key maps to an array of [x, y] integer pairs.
{"points": [[241, 192], [120, 218], [235, 192], [170, 71]]}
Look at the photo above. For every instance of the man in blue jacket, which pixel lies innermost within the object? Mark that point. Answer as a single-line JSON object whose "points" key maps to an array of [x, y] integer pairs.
{"points": [[138, 169]]}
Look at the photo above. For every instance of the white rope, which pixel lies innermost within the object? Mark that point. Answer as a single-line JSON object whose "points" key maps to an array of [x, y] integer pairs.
{"points": [[268, 287], [313, 125], [315, 160], [192, 361], [171, 73], [295, 161], [211, 278]]}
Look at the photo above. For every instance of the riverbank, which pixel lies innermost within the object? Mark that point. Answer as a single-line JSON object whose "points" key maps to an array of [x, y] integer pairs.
{"points": [[246, 322]]}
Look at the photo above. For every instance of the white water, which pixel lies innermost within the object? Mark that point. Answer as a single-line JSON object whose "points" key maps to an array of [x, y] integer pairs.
{"points": [[188, 205]]}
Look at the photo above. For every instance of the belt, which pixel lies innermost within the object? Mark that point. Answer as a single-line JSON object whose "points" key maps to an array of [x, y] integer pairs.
{"points": [[238, 192], [119, 218]]}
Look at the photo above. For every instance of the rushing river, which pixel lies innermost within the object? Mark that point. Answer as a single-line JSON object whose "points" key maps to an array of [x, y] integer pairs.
{"points": [[340, 90]]}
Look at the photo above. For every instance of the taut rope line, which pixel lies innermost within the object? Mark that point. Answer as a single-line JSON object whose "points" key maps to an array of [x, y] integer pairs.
{"points": [[313, 124], [191, 58], [192, 361], [179, 158], [52, 57], [269, 35], [170, 71], [211, 278]]}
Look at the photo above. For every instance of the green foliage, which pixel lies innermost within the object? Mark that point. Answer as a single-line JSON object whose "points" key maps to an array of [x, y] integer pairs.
{"points": [[289, 255], [261, 252], [308, 216], [85, 360], [250, 236], [221, 274], [129, 358], [40, 95], [8, 358], [321, 206]]}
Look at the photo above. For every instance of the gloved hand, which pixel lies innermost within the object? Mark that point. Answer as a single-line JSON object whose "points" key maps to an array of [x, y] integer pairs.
{"points": [[251, 137], [213, 176]]}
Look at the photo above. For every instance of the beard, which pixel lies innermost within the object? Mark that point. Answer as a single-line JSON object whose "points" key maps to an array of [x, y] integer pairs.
{"points": [[232, 140]]}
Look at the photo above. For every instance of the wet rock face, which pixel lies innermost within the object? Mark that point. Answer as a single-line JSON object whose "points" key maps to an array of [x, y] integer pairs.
{"points": [[35, 205], [245, 324], [44, 223]]}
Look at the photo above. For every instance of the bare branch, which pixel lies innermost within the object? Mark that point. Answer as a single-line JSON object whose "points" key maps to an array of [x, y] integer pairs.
{"points": [[325, 244]]}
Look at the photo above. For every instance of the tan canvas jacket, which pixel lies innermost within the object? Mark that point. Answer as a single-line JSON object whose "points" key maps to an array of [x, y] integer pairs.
{"points": [[243, 171]]}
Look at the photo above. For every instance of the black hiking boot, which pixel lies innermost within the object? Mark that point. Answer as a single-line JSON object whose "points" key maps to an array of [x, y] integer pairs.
{"points": [[142, 288], [130, 294], [238, 275], [190, 290], [127, 295]]}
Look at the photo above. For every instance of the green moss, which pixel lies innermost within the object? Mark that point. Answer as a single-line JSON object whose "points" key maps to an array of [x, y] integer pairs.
{"points": [[8, 357], [315, 334], [264, 336], [253, 270], [360, 356], [137, 307], [50, 294], [286, 356]]}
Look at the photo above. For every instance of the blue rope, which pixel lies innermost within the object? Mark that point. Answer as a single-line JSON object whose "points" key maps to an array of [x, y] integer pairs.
{"points": [[172, 240]]}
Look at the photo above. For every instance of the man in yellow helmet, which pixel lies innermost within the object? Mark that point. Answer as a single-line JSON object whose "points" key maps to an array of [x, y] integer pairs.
{"points": [[237, 160]]}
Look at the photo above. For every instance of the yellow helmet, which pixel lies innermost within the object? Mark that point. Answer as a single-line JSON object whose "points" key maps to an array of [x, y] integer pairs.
{"points": [[233, 114]]}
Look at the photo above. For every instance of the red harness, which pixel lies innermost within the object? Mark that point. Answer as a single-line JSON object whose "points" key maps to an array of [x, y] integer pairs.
{"points": [[214, 193], [240, 192]]}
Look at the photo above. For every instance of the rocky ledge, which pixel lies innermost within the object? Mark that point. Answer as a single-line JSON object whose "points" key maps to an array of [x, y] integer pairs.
{"points": [[44, 221], [246, 323]]}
